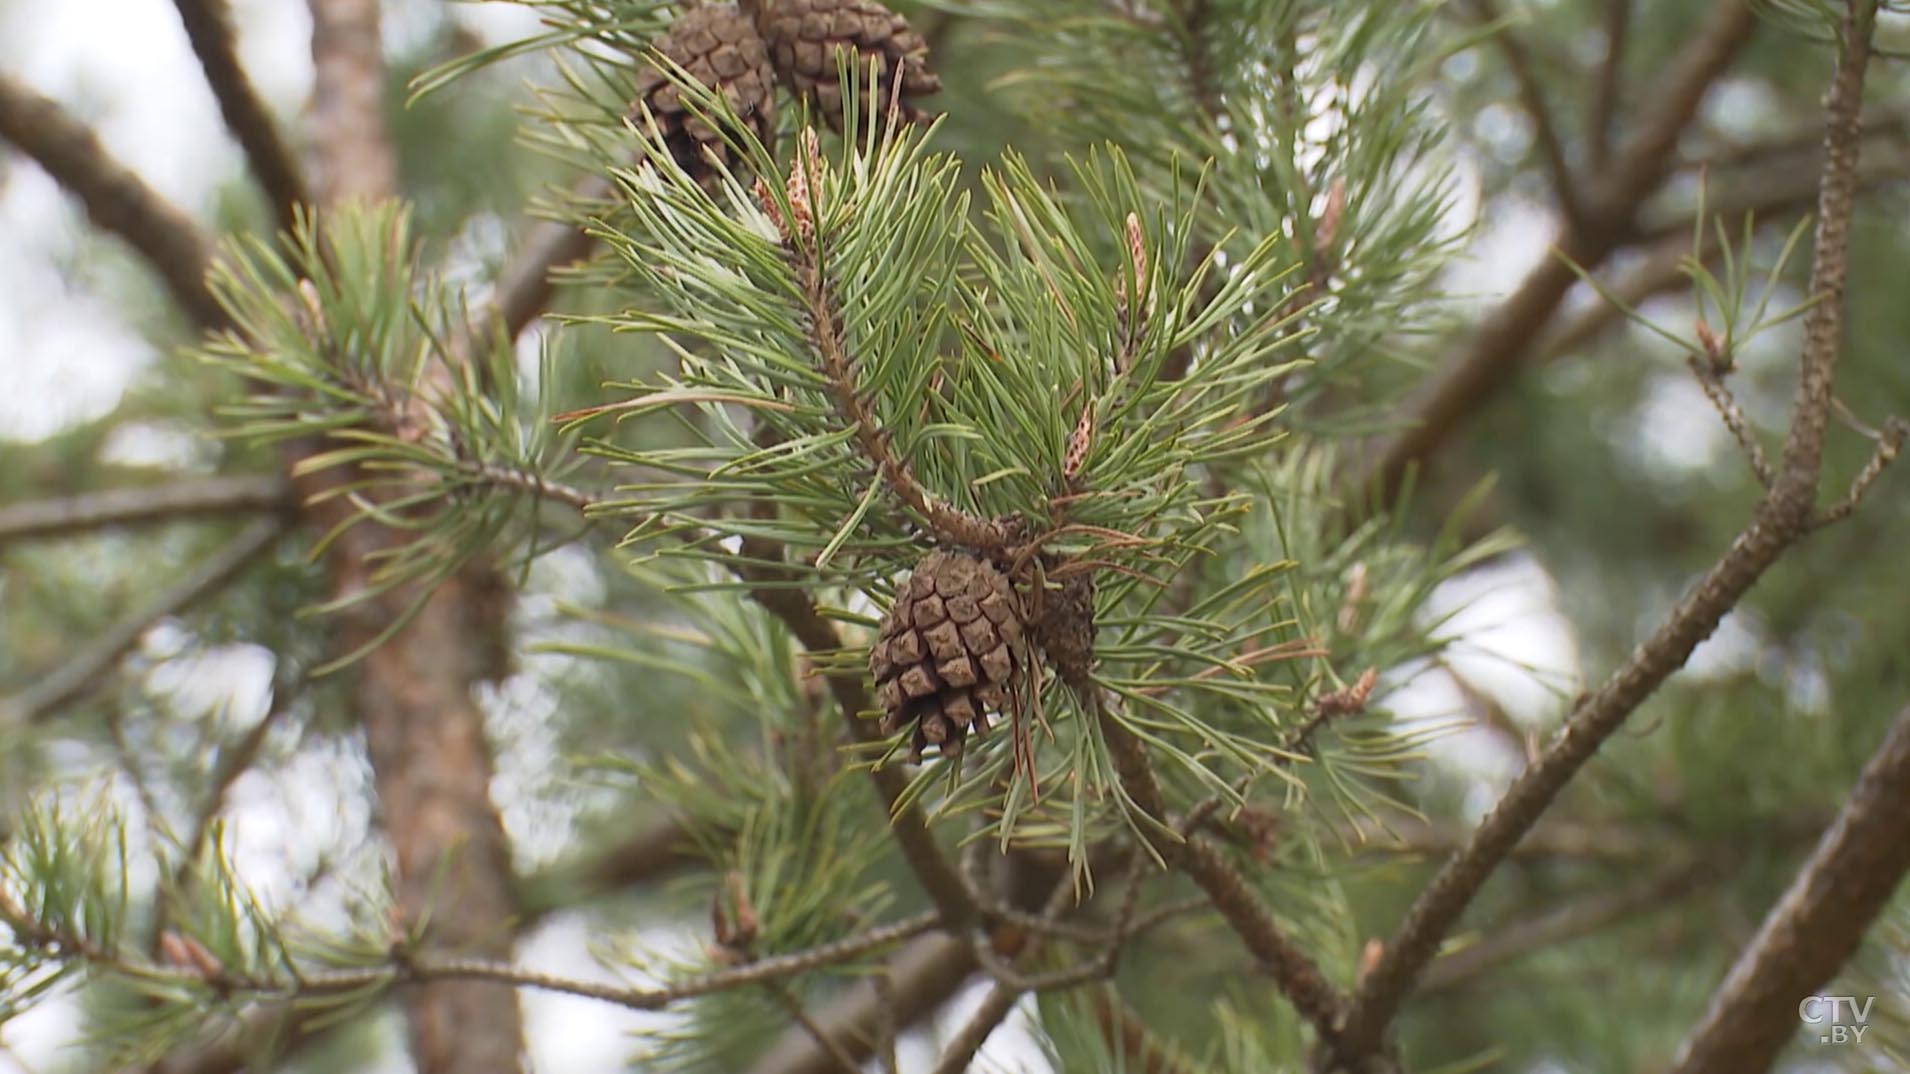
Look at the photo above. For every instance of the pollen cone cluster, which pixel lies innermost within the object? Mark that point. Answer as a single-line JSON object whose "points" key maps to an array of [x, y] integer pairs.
{"points": [[950, 652], [718, 46], [808, 39]]}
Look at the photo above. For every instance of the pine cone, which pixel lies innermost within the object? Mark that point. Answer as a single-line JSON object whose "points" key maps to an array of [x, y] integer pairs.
{"points": [[806, 36], [718, 46], [949, 653], [1064, 625]]}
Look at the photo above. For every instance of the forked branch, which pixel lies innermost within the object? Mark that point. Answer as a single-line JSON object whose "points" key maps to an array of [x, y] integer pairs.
{"points": [[1782, 517]]}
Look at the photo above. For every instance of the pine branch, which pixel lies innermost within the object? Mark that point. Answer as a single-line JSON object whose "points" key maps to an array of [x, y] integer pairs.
{"points": [[1782, 517], [193, 497], [939, 879], [824, 326], [89, 668], [116, 200], [408, 968], [1495, 352], [209, 27], [921, 978], [1817, 925], [1299, 978]]}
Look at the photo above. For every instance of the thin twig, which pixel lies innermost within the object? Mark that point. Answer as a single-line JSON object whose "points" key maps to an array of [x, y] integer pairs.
{"points": [[1781, 518], [922, 977], [1726, 404], [1889, 445], [959, 1053], [797, 610], [233, 761], [845, 1063], [209, 27], [824, 324], [1817, 925], [1547, 930], [410, 968], [1299, 978], [886, 1030], [1532, 98], [1611, 73], [116, 200], [87, 669], [530, 483], [193, 497], [1495, 352], [1009, 987]]}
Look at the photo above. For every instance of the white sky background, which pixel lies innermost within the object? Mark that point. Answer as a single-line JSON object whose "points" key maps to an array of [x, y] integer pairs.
{"points": [[66, 353]]}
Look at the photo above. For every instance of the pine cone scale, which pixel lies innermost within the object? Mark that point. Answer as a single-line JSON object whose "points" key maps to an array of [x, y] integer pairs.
{"points": [[718, 46], [949, 652], [807, 38]]}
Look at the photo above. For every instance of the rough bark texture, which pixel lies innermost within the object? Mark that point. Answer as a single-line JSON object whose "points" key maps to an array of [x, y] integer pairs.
{"points": [[424, 731], [1816, 926]]}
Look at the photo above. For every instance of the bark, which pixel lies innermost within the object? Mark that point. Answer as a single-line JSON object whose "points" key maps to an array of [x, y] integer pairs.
{"points": [[424, 731], [1816, 926]]}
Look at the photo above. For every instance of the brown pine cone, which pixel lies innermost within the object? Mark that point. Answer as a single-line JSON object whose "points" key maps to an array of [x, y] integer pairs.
{"points": [[718, 46], [949, 653], [806, 36]]}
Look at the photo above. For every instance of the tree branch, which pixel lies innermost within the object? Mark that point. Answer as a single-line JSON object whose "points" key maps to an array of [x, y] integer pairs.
{"points": [[938, 877], [959, 1054], [116, 200], [1496, 350], [921, 976], [192, 497], [1817, 925], [209, 26], [409, 968], [1782, 516], [524, 288], [87, 669], [1293, 970], [825, 331]]}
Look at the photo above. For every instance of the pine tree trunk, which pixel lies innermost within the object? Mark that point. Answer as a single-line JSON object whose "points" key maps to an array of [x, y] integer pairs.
{"points": [[424, 731]]}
